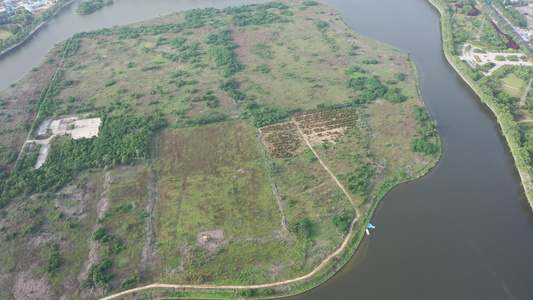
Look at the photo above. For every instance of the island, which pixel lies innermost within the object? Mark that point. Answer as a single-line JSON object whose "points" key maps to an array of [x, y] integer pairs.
{"points": [[487, 43], [222, 153], [91, 6]]}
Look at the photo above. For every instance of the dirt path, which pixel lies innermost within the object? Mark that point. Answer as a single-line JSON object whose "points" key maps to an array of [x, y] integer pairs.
{"points": [[102, 206], [327, 169], [266, 285], [149, 245], [240, 287]]}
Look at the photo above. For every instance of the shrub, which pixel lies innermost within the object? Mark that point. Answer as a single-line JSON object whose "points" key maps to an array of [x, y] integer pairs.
{"points": [[423, 146], [342, 223], [110, 82]]}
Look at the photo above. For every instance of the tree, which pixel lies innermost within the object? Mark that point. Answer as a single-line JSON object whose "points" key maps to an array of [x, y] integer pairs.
{"points": [[302, 227]]}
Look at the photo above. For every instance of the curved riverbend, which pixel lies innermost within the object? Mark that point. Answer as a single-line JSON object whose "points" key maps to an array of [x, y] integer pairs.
{"points": [[463, 231]]}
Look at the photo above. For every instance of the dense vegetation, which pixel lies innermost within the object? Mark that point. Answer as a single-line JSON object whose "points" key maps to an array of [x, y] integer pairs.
{"points": [[121, 138], [510, 13], [427, 129]]}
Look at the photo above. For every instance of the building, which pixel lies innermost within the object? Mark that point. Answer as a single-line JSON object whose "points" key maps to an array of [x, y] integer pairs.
{"points": [[33, 6]]}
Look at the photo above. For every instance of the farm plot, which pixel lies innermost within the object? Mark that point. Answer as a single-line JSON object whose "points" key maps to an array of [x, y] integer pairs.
{"points": [[325, 125], [282, 140]]}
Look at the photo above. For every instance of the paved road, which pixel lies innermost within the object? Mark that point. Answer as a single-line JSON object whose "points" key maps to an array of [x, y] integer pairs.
{"points": [[502, 20]]}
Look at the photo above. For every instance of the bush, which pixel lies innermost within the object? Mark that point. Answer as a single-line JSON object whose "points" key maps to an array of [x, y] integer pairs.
{"points": [[265, 116], [209, 117], [423, 146], [302, 227], [99, 234], [399, 76], [110, 82], [96, 277], [342, 223]]}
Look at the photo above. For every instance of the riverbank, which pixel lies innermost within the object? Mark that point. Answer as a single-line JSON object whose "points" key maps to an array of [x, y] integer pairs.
{"points": [[12, 47], [514, 148]]}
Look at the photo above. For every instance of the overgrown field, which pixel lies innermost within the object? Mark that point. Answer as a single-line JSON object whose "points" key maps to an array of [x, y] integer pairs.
{"points": [[203, 171]]}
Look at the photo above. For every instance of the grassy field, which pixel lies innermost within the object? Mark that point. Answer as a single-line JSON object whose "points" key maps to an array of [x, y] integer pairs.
{"points": [[5, 34], [229, 192], [213, 178]]}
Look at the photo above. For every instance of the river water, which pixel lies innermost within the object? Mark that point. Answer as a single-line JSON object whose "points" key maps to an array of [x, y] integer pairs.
{"points": [[463, 231]]}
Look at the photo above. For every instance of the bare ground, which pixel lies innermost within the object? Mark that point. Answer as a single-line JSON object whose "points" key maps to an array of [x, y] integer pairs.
{"points": [[28, 286], [149, 245], [94, 257]]}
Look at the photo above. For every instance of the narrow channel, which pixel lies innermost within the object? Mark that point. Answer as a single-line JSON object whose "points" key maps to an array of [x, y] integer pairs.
{"points": [[463, 231]]}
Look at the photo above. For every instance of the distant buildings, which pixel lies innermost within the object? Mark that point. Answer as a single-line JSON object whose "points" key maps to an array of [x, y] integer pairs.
{"points": [[29, 5], [33, 6]]}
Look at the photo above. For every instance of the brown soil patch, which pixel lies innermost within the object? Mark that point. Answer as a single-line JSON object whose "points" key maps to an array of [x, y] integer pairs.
{"points": [[102, 207], [282, 140], [211, 240], [149, 245], [325, 126], [30, 286]]}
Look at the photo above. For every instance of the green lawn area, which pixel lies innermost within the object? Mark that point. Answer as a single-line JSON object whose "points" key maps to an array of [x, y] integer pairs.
{"points": [[5, 34], [513, 81], [513, 85]]}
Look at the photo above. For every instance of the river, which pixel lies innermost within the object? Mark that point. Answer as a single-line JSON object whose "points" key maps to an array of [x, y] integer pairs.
{"points": [[463, 231]]}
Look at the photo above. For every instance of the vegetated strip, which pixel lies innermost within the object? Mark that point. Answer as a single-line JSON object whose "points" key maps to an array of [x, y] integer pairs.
{"points": [[36, 120], [267, 285], [507, 129]]}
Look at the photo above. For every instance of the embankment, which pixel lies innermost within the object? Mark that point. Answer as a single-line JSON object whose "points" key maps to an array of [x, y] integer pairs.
{"points": [[509, 127], [35, 29]]}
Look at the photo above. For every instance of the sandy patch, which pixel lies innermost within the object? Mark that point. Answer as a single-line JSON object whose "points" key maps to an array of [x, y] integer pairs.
{"points": [[43, 128], [85, 128], [211, 240], [29, 286], [149, 245], [94, 257]]}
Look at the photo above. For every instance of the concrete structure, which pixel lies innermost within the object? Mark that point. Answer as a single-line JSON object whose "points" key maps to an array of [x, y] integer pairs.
{"points": [[84, 128], [474, 59]]}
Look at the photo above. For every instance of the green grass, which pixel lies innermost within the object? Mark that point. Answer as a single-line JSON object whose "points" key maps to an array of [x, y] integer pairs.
{"points": [[4, 34], [212, 178], [513, 81]]}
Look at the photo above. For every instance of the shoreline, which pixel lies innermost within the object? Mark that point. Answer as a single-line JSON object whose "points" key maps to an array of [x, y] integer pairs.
{"points": [[525, 177], [14, 46]]}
